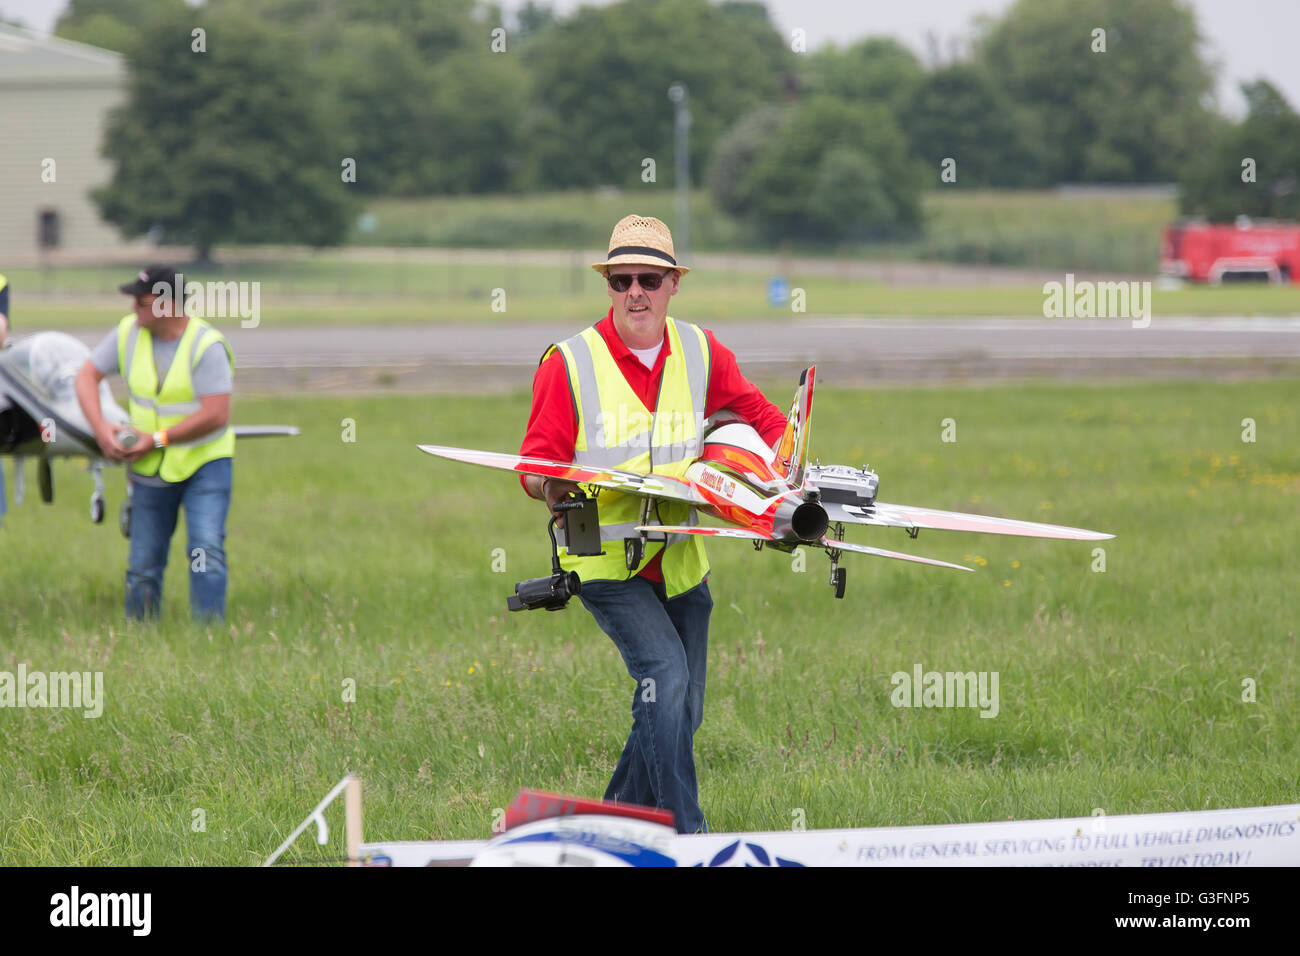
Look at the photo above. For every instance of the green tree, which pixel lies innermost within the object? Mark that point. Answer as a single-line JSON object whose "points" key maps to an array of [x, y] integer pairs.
{"points": [[436, 28], [600, 81], [111, 24], [1131, 113], [478, 103], [959, 112], [418, 95], [384, 116], [1249, 169], [227, 145], [877, 70], [531, 19], [737, 152], [834, 170]]}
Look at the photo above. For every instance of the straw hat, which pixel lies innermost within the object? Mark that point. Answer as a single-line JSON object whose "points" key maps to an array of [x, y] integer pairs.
{"points": [[640, 240]]}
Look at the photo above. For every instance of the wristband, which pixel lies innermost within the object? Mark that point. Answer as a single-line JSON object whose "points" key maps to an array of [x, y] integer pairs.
{"points": [[160, 439]]}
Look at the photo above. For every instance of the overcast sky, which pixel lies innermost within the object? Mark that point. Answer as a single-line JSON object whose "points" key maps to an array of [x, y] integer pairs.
{"points": [[1248, 38]]}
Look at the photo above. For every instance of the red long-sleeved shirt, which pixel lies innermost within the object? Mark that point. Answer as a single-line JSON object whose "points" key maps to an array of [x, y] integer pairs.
{"points": [[553, 425]]}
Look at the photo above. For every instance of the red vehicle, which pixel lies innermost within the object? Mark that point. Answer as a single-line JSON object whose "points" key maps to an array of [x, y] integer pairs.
{"points": [[1258, 250]]}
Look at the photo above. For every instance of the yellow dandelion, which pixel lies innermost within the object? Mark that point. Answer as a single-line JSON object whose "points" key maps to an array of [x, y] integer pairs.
{"points": [[1006, 583], [446, 683], [981, 561], [471, 670], [1015, 564]]}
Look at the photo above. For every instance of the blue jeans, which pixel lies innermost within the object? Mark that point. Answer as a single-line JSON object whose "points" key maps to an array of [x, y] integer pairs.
{"points": [[665, 647], [205, 495]]}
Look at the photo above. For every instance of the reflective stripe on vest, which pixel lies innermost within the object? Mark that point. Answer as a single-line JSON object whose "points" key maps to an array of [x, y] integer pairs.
{"points": [[616, 430], [154, 406]]}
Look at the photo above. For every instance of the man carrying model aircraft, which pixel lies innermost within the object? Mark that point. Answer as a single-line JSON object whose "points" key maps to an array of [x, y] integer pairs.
{"points": [[632, 392]]}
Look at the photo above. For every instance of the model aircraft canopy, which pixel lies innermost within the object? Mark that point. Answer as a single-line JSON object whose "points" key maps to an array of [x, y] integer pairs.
{"points": [[44, 368]]}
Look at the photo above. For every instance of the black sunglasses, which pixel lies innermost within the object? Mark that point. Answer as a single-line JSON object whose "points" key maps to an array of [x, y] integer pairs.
{"points": [[650, 281]]}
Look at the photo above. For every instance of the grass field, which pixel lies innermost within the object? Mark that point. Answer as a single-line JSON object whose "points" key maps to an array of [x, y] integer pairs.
{"points": [[328, 289], [371, 562]]}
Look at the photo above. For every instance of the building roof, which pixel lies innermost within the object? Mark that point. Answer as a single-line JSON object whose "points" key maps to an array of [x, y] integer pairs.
{"points": [[33, 59]]}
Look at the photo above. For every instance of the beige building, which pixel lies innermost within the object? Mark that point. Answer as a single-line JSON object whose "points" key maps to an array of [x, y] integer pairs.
{"points": [[55, 96]]}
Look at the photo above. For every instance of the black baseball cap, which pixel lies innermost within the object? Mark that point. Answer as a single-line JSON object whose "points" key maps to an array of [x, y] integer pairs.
{"points": [[144, 282]]}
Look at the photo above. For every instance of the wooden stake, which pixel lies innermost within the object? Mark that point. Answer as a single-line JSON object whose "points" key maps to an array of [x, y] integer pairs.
{"points": [[352, 818]]}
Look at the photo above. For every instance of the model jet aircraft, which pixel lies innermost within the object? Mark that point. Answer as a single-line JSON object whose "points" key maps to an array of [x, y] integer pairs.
{"points": [[42, 418], [770, 498]]}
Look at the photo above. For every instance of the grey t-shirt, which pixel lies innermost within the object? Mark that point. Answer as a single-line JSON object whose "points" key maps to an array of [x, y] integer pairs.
{"points": [[212, 376]]}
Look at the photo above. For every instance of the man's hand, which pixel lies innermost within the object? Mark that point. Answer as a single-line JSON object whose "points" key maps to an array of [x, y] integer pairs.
{"points": [[556, 490], [106, 436], [143, 445]]}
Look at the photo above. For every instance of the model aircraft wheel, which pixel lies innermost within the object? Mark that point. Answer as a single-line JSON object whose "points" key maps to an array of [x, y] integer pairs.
{"points": [[45, 478], [124, 518], [633, 549], [97, 509], [838, 579]]}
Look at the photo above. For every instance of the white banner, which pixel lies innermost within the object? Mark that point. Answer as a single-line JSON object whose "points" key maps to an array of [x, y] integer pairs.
{"points": [[1256, 836]]}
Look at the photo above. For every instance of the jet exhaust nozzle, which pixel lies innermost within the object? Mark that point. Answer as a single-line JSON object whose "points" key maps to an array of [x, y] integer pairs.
{"points": [[805, 520]]}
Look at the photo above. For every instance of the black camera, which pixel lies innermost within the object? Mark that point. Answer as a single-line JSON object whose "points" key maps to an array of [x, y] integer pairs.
{"points": [[551, 592], [582, 534]]}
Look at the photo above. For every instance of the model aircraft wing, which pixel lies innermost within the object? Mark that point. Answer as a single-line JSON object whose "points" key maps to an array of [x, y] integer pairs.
{"points": [[882, 553], [265, 431], [628, 482], [829, 543], [907, 516]]}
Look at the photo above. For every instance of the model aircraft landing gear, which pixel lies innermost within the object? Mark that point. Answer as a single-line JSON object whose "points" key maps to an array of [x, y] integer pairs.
{"points": [[124, 517], [838, 581], [97, 497], [45, 478], [838, 574], [20, 478], [633, 550]]}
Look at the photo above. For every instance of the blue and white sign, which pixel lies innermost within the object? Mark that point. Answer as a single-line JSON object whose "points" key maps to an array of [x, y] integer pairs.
{"points": [[778, 291]]}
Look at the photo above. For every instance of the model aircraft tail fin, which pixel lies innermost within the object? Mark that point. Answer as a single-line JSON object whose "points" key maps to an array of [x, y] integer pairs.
{"points": [[792, 449]]}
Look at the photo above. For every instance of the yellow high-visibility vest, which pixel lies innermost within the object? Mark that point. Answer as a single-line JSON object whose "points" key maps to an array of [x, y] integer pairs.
{"points": [[616, 430], [154, 407]]}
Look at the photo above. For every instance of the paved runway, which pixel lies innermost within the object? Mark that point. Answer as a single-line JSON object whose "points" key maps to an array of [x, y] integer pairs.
{"points": [[847, 351]]}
